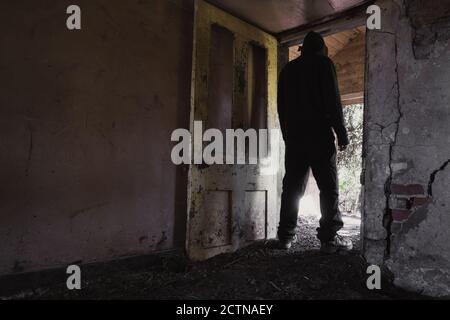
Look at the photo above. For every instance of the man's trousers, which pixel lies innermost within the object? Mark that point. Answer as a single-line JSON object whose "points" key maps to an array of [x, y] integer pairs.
{"points": [[322, 162]]}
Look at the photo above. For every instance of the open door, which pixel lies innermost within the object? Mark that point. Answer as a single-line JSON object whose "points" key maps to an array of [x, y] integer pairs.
{"points": [[234, 86]]}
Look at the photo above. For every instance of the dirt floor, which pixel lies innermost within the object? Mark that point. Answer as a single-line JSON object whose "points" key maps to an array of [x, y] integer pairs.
{"points": [[256, 272]]}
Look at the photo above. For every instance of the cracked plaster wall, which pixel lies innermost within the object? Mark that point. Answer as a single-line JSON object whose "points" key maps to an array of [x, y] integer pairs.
{"points": [[407, 142]]}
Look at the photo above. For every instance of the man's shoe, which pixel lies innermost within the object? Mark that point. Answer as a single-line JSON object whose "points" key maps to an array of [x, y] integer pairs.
{"points": [[339, 243], [287, 244]]}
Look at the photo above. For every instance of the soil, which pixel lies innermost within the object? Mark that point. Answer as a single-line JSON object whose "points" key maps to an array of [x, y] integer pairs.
{"points": [[256, 272]]}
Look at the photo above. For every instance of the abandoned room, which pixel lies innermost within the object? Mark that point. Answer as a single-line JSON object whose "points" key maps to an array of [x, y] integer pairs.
{"points": [[88, 115]]}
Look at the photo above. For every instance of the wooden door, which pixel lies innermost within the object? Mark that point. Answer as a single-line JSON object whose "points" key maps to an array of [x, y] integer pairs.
{"points": [[233, 87]]}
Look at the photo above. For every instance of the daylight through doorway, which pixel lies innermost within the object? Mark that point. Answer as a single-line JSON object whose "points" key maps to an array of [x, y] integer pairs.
{"points": [[347, 50]]}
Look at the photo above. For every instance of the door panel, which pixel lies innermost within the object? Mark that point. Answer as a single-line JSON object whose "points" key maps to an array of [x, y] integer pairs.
{"points": [[233, 86], [256, 213]]}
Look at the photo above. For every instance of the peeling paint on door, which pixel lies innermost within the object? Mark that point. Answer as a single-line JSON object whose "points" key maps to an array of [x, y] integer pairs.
{"points": [[230, 205]]}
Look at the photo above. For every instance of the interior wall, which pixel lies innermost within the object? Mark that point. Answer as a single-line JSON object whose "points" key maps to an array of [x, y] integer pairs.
{"points": [[85, 124], [407, 150]]}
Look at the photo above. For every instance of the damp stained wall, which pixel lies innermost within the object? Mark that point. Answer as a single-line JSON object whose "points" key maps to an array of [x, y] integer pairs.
{"points": [[406, 214], [85, 124]]}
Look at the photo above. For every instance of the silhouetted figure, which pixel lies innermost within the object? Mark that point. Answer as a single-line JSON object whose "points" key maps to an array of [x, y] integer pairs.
{"points": [[309, 108]]}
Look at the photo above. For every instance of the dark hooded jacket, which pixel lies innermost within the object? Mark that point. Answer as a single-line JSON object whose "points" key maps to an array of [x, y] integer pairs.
{"points": [[309, 102]]}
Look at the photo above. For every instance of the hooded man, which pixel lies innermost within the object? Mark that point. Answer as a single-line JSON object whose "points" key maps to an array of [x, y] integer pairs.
{"points": [[309, 108]]}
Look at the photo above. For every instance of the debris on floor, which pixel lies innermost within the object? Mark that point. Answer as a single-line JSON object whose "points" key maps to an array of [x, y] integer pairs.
{"points": [[256, 272]]}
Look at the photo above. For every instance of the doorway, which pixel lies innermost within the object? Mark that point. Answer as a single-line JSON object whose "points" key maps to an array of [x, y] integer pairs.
{"points": [[347, 50], [235, 67]]}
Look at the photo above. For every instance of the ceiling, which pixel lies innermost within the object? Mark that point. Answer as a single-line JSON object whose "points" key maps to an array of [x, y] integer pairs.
{"points": [[276, 16], [338, 41]]}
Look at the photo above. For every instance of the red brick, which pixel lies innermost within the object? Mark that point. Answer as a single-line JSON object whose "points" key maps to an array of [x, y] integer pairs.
{"points": [[417, 202], [410, 189], [398, 189], [400, 215]]}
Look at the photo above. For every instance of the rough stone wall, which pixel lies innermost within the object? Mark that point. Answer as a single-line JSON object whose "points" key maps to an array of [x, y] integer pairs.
{"points": [[85, 124], [406, 214]]}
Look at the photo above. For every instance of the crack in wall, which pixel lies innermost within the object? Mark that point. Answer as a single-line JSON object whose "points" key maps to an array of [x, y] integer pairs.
{"points": [[433, 177], [387, 218], [414, 28]]}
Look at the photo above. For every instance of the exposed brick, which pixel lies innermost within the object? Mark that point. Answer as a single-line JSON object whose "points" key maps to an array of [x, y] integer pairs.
{"points": [[399, 215], [415, 189], [398, 189], [417, 202], [410, 189]]}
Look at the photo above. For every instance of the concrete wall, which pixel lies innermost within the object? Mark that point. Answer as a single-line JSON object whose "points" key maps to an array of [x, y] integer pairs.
{"points": [[85, 124], [407, 147]]}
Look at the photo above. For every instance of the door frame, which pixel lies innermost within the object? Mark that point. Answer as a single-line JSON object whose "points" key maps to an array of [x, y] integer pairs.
{"points": [[348, 20]]}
